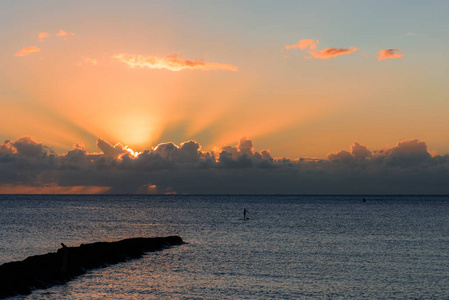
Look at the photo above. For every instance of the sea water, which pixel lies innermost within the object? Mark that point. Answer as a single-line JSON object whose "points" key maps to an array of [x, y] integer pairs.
{"points": [[292, 247]]}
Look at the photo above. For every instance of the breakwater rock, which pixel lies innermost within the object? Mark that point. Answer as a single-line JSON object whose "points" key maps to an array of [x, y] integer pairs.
{"points": [[43, 271]]}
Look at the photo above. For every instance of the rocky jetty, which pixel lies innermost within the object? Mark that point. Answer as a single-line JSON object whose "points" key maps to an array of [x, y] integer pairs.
{"points": [[43, 271]]}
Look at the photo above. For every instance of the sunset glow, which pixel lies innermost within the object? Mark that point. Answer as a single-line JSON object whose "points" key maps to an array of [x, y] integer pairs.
{"points": [[122, 79]]}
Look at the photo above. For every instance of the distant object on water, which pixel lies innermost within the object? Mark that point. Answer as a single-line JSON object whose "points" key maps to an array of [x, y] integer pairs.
{"points": [[364, 200], [244, 214]]}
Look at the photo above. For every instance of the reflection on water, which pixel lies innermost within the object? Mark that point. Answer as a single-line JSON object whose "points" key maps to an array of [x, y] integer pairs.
{"points": [[292, 247]]}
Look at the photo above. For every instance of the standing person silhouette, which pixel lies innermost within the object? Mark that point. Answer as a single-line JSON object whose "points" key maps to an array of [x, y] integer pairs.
{"points": [[244, 214], [65, 253]]}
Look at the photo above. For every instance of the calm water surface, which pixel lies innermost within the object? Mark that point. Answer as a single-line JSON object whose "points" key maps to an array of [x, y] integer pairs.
{"points": [[312, 247]]}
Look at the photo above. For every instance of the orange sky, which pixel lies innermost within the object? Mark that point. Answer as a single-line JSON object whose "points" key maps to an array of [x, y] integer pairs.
{"points": [[216, 72]]}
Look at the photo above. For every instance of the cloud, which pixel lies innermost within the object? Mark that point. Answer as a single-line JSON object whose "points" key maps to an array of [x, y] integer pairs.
{"points": [[7, 147], [51, 189], [245, 146], [389, 54], [332, 52], [310, 46], [409, 148], [340, 155], [27, 166], [359, 151], [113, 151], [406, 153], [63, 33], [43, 35], [148, 189], [25, 146], [27, 50], [171, 62], [304, 44]]}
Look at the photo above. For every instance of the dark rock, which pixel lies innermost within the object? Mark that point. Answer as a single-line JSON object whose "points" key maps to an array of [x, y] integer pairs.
{"points": [[43, 271]]}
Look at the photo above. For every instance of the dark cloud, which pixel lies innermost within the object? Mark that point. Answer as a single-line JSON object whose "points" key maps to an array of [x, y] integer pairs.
{"points": [[340, 155], [360, 151], [406, 168], [26, 161], [407, 153], [109, 150], [357, 151], [24, 146]]}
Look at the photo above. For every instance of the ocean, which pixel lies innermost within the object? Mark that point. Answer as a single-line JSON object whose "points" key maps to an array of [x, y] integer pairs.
{"points": [[292, 247]]}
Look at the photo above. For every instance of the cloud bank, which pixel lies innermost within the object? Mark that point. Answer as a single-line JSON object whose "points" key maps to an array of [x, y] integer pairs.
{"points": [[171, 62], [27, 166]]}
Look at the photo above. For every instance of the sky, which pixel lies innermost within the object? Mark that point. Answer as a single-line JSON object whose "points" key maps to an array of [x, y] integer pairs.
{"points": [[224, 96]]}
